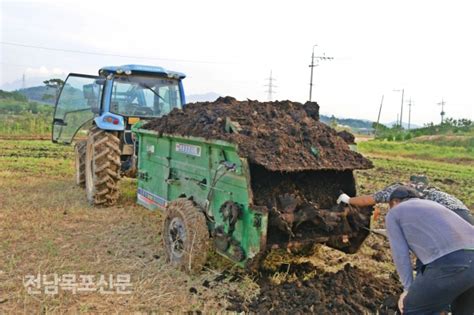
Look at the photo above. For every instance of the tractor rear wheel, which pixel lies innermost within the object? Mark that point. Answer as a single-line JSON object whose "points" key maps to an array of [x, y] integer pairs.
{"points": [[185, 235], [102, 166], [80, 154]]}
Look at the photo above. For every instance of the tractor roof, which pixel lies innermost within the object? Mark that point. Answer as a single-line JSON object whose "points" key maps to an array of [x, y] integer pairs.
{"points": [[141, 69]]}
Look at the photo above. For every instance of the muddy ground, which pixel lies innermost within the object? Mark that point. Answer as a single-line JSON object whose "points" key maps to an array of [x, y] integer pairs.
{"points": [[347, 291], [281, 136]]}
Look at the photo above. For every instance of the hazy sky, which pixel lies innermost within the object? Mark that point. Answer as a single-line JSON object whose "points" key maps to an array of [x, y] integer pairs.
{"points": [[229, 47]]}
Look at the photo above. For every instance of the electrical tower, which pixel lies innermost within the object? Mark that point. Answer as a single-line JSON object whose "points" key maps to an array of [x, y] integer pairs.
{"points": [[442, 103], [23, 82], [271, 87], [312, 65]]}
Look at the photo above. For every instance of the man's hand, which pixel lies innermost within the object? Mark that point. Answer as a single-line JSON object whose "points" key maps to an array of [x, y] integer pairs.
{"points": [[343, 198], [401, 299]]}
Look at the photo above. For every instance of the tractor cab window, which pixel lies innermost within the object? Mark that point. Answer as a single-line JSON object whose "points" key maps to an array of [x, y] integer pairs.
{"points": [[144, 96]]}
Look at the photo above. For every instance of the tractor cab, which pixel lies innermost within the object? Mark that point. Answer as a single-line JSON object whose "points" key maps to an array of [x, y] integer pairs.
{"points": [[115, 99]]}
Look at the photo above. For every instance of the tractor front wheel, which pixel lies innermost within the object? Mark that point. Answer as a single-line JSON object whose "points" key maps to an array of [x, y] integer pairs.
{"points": [[102, 166], [185, 235]]}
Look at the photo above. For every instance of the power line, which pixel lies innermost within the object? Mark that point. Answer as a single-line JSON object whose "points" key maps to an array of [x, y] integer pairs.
{"points": [[103, 54], [15, 65], [270, 86]]}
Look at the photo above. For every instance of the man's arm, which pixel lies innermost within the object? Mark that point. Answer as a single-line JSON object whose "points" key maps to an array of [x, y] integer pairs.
{"points": [[380, 196], [362, 201], [400, 250]]}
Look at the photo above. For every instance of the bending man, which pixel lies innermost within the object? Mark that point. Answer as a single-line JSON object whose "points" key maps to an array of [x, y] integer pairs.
{"points": [[413, 225]]}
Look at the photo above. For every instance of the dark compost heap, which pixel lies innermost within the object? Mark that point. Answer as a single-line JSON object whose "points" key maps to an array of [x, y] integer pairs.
{"points": [[347, 291], [281, 136]]}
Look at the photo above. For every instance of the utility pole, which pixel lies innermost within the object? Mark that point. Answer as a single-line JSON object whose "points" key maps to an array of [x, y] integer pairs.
{"points": [[311, 79], [442, 103], [312, 65], [378, 118], [410, 104], [401, 109], [270, 86]]}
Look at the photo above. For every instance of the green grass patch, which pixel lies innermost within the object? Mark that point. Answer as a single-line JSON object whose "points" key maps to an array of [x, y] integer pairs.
{"points": [[423, 151], [36, 158]]}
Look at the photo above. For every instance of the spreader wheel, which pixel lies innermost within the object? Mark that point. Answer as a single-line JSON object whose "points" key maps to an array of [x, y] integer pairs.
{"points": [[185, 235]]}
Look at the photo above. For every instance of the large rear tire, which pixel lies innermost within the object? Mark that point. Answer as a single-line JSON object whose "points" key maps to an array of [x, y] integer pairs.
{"points": [[185, 236], [102, 167], [80, 154]]}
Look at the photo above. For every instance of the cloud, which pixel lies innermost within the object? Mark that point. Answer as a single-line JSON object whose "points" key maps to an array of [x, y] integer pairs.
{"points": [[45, 72]]}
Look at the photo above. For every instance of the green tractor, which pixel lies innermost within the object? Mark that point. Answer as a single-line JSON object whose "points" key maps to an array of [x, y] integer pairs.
{"points": [[107, 106]]}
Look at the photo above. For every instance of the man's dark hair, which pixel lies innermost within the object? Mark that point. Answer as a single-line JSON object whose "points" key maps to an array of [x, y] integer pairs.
{"points": [[404, 193]]}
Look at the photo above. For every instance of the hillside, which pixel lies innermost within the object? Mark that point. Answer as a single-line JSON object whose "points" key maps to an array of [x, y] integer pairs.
{"points": [[16, 96], [41, 94], [356, 125]]}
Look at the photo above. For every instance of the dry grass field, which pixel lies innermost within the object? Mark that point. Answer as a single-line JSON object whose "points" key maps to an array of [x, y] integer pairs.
{"points": [[47, 228]]}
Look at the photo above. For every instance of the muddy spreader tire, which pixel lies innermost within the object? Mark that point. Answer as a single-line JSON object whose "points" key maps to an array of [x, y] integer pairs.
{"points": [[102, 167], [185, 236], [80, 154]]}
